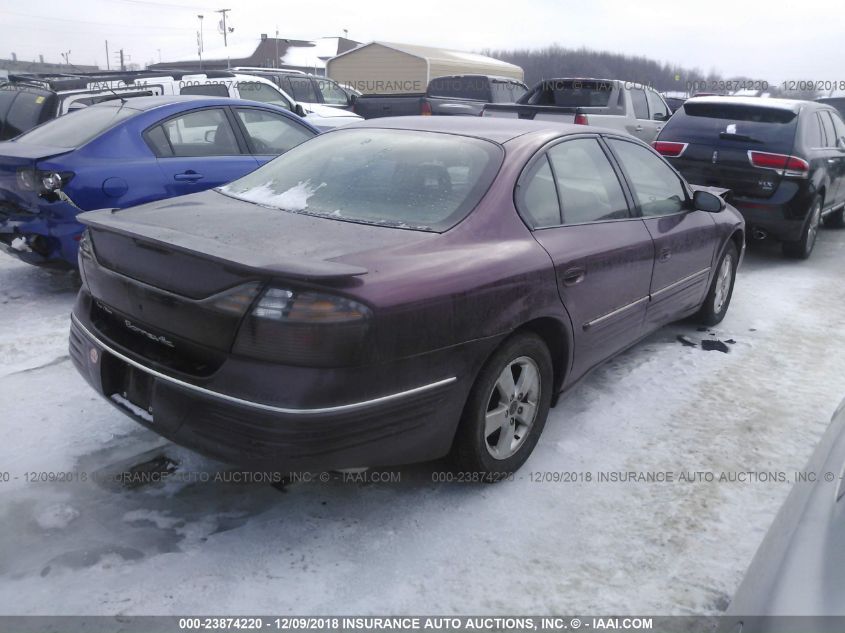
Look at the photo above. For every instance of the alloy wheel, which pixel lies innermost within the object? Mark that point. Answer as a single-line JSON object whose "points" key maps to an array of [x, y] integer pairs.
{"points": [[512, 407]]}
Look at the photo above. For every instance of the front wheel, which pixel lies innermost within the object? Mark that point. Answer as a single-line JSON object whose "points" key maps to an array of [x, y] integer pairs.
{"points": [[506, 409], [721, 288], [803, 248]]}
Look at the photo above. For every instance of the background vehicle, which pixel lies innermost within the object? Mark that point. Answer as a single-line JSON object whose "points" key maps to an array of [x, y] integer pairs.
{"points": [[448, 96], [621, 105], [783, 160], [674, 102], [836, 102], [441, 279], [308, 90], [32, 99], [122, 153], [799, 568]]}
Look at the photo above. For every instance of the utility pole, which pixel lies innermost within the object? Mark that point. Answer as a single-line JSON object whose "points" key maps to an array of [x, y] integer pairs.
{"points": [[199, 39], [108, 63], [122, 64], [277, 61], [223, 12]]}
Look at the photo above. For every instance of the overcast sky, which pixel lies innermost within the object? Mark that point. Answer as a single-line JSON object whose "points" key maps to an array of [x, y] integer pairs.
{"points": [[763, 39]]}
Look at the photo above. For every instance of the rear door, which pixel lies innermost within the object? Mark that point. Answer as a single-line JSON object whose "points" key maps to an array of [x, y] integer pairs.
{"points": [[198, 150], [834, 156], [572, 198], [684, 239], [643, 128]]}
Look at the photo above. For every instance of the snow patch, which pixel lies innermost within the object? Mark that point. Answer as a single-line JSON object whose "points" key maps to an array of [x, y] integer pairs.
{"points": [[294, 199], [56, 517]]}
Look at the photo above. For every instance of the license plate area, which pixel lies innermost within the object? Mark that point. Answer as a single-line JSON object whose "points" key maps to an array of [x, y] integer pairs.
{"points": [[128, 386]]}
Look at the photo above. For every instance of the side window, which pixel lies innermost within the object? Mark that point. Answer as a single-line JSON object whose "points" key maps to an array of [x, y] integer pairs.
{"points": [[537, 197], [659, 110], [271, 133], [829, 132], [264, 93], [813, 136], [303, 89], [332, 93], [157, 140], [588, 187], [209, 90], [657, 189], [201, 133], [639, 101], [838, 125]]}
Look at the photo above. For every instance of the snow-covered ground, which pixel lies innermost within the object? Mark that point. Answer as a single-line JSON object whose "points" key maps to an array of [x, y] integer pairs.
{"points": [[193, 546]]}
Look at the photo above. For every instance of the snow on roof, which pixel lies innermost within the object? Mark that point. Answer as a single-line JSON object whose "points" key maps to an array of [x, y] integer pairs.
{"points": [[310, 54]]}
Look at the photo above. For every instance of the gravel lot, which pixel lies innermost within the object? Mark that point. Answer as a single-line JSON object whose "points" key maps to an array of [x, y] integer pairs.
{"points": [[419, 546]]}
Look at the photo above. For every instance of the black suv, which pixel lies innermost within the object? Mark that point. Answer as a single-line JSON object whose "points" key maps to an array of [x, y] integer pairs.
{"points": [[783, 160]]}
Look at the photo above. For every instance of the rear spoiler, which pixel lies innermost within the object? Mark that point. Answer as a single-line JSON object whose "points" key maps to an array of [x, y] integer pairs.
{"points": [[239, 256]]}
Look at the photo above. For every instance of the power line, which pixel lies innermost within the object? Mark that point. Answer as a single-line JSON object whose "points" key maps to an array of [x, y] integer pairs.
{"points": [[166, 5]]}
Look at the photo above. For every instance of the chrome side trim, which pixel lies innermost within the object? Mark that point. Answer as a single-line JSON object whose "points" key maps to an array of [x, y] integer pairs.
{"points": [[675, 284], [609, 315], [258, 405]]}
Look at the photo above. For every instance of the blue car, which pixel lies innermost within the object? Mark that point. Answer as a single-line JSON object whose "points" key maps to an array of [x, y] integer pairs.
{"points": [[122, 153]]}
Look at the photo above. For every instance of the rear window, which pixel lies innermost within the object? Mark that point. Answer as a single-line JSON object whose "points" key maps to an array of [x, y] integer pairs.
{"points": [[573, 93], [460, 88], [729, 123], [23, 109], [398, 178], [79, 127]]}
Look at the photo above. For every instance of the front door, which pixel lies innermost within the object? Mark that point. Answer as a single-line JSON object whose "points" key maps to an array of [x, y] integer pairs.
{"points": [[684, 239]]}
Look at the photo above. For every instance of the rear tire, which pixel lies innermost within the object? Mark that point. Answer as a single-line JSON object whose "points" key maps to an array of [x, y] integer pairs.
{"points": [[506, 410], [803, 248], [721, 288]]}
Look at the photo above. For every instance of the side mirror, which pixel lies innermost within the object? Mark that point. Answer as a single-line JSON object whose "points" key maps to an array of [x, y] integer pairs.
{"points": [[706, 201], [352, 98], [300, 111], [210, 135], [660, 116]]}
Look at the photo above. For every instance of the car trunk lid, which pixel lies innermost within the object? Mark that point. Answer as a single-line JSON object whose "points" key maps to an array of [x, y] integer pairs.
{"points": [[164, 266]]}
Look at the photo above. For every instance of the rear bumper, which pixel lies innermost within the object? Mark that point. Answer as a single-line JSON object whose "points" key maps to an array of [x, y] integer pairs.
{"points": [[52, 235], [782, 216], [403, 424]]}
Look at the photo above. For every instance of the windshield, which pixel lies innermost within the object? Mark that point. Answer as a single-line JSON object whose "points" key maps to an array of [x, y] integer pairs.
{"points": [[78, 127], [400, 178]]}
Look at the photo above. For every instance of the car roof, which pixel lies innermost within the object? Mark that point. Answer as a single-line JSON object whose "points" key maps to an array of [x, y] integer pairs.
{"points": [[143, 104], [793, 105], [497, 130]]}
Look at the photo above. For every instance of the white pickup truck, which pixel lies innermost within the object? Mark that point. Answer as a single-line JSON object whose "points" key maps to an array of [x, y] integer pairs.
{"points": [[623, 105]]}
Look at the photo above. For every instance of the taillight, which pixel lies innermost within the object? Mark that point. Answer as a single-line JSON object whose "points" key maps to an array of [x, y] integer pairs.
{"points": [[580, 119], [304, 328], [425, 108], [783, 164], [669, 149]]}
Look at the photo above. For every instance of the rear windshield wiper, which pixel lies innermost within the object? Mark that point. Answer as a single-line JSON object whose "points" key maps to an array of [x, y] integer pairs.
{"points": [[738, 137]]}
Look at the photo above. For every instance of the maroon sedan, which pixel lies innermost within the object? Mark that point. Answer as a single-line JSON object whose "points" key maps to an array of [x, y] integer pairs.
{"points": [[394, 291]]}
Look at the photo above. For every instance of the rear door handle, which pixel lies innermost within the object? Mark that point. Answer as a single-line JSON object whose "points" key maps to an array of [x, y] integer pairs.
{"points": [[190, 176], [574, 276], [665, 255], [639, 128]]}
